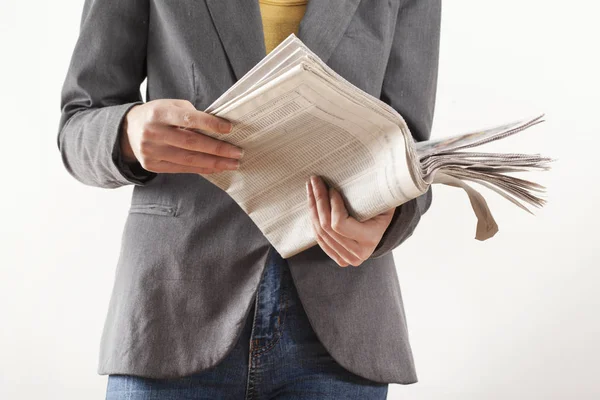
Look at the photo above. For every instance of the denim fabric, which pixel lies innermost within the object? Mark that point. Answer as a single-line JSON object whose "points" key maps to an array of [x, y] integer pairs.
{"points": [[278, 356]]}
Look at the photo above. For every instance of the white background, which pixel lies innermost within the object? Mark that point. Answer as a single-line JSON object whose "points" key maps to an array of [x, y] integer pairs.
{"points": [[515, 317]]}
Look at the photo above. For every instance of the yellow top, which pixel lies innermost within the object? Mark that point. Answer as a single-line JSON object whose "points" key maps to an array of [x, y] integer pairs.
{"points": [[280, 18]]}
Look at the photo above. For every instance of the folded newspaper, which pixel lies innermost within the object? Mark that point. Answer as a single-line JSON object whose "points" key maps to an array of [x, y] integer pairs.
{"points": [[294, 117]]}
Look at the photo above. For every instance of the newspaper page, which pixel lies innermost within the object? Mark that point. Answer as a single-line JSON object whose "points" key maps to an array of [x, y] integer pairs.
{"points": [[294, 126], [295, 116]]}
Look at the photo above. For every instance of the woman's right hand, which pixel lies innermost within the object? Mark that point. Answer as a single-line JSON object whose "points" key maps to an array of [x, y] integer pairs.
{"points": [[154, 135]]}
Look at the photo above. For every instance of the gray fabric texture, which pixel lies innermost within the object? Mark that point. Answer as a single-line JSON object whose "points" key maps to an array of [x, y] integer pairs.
{"points": [[191, 259]]}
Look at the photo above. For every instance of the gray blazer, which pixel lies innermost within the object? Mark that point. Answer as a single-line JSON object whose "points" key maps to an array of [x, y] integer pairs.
{"points": [[191, 259]]}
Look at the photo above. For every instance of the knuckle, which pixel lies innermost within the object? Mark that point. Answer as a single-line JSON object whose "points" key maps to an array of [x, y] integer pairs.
{"points": [[335, 219], [145, 149], [318, 196], [189, 158], [217, 163], [147, 133], [191, 140], [155, 113], [187, 118], [220, 147], [335, 224]]}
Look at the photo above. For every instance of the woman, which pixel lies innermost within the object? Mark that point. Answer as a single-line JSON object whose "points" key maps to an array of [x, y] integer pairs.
{"points": [[202, 305]]}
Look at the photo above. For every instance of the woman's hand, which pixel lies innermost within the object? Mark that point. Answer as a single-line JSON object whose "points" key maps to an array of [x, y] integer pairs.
{"points": [[344, 239], [152, 134]]}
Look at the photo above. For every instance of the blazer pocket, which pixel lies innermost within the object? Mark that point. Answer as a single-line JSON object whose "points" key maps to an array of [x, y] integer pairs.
{"points": [[154, 209]]}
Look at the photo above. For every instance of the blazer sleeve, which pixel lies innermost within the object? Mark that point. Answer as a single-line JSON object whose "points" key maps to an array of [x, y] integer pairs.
{"points": [[102, 83], [409, 86]]}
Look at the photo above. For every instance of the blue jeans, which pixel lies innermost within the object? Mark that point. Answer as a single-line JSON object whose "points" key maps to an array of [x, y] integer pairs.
{"points": [[278, 356]]}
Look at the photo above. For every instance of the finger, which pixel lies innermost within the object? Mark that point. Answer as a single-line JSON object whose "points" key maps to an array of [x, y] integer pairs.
{"points": [[334, 247], [167, 167], [348, 226], [354, 240], [327, 249], [340, 249], [342, 222], [190, 158], [347, 248], [189, 140], [152, 152], [321, 196], [339, 260], [314, 217], [188, 118]]}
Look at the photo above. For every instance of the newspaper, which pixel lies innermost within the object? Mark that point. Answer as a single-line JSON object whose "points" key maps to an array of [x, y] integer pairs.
{"points": [[295, 117]]}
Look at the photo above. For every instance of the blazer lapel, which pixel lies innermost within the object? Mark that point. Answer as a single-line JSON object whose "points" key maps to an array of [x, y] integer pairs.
{"points": [[324, 24], [239, 25]]}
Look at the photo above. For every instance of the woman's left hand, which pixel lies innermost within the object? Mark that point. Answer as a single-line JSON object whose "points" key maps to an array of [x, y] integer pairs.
{"points": [[346, 240]]}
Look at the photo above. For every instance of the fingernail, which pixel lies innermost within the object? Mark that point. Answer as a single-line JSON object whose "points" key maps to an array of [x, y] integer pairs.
{"points": [[307, 188], [233, 165], [237, 152], [313, 179]]}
